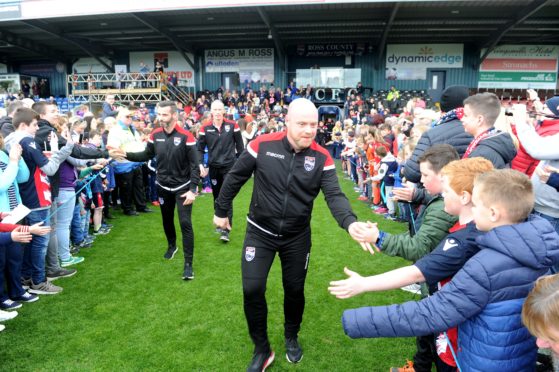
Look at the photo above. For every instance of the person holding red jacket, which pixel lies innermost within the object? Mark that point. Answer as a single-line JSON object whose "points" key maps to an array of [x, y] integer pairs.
{"points": [[11, 258]]}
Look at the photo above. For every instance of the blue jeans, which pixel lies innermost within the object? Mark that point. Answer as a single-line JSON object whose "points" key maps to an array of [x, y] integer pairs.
{"points": [[353, 162], [555, 223], [85, 222], [65, 203], [11, 258], [335, 150], [76, 229], [34, 253]]}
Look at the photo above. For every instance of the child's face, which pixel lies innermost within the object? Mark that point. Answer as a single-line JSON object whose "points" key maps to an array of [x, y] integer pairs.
{"points": [[408, 153], [483, 215], [430, 179], [31, 128], [550, 344], [96, 140], [452, 201]]}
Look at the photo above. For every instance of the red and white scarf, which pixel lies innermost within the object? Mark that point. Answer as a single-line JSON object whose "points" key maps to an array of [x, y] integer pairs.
{"points": [[477, 140]]}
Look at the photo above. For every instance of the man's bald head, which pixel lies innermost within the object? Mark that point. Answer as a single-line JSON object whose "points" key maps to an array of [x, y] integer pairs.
{"points": [[301, 106], [301, 122]]}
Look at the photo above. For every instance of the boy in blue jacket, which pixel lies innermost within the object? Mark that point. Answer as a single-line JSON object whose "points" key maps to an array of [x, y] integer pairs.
{"points": [[440, 265], [485, 297]]}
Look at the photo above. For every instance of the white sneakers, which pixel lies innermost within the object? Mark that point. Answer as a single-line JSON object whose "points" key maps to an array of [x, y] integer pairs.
{"points": [[7, 315]]}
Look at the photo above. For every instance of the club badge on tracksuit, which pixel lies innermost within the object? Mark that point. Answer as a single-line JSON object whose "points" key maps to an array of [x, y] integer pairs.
{"points": [[250, 253], [309, 163]]}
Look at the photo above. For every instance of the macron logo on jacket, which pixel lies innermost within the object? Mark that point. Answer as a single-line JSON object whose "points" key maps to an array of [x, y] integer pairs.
{"points": [[274, 155]]}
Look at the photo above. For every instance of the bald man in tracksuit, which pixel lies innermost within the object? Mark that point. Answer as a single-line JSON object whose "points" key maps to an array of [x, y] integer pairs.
{"points": [[290, 169]]}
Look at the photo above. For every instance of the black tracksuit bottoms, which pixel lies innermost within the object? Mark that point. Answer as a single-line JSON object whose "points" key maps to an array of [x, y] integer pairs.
{"points": [[426, 355], [168, 200], [259, 251], [131, 188], [217, 177]]}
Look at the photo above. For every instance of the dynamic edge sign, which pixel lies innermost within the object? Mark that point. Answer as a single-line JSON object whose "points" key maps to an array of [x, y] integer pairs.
{"points": [[411, 61]]}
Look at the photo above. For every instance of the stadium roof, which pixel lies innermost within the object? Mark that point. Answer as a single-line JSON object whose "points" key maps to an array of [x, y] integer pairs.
{"points": [[64, 36]]}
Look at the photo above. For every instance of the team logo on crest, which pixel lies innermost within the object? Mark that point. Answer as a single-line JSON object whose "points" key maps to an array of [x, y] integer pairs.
{"points": [[214, 182], [161, 201], [309, 163], [227, 128], [176, 141], [250, 253]]}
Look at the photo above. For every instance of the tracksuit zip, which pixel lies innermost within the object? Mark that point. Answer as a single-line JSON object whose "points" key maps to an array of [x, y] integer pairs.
{"points": [[284, 209], [168, 147]]}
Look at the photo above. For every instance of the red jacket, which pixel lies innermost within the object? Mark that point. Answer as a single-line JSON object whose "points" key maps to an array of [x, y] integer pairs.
{"points": [[7, 227], [523, 162]]}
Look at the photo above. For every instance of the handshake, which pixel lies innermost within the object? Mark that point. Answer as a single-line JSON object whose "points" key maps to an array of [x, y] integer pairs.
{"points": [[117, 154]]}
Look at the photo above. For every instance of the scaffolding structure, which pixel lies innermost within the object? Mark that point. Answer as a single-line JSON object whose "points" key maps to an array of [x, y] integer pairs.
{"points": [[126, 87]]}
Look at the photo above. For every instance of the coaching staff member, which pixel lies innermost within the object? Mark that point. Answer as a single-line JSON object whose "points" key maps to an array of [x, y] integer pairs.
{"points": [[224, 141], [178, 174], [290, 169]]}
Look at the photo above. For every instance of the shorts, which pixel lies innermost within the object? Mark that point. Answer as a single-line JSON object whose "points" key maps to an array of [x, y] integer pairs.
{"points": [[95, 202]]}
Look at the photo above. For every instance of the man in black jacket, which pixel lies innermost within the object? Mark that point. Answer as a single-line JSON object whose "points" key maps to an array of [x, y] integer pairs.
{"points": [[178, 174], [224, 142], [290, 169]]}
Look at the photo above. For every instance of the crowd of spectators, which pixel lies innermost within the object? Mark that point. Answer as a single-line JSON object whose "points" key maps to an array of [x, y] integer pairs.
{"points": [[396, 166], [382, 147]]}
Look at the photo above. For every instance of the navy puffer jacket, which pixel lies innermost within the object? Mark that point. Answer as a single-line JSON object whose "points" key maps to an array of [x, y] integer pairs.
{"points": [[498, 148], [451, 132], [484, 300]]}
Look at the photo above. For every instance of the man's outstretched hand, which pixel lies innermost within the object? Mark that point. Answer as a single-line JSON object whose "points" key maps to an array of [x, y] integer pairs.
{"points": [[222, 223], [363, 233]]}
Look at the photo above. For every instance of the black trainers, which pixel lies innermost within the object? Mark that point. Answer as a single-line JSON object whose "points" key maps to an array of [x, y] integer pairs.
{"points": [[26, 283], [60, 273], [224, 236], [293, 353], [74, 250], [188, 274], [261, 361], [170, 253]]}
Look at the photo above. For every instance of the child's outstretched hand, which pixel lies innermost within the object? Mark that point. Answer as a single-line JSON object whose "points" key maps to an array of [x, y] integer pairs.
{"points": [[21, 234], [404, 193], [352, 286], [361, 233], [371, 232], [97, 166], [37, 229]]}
